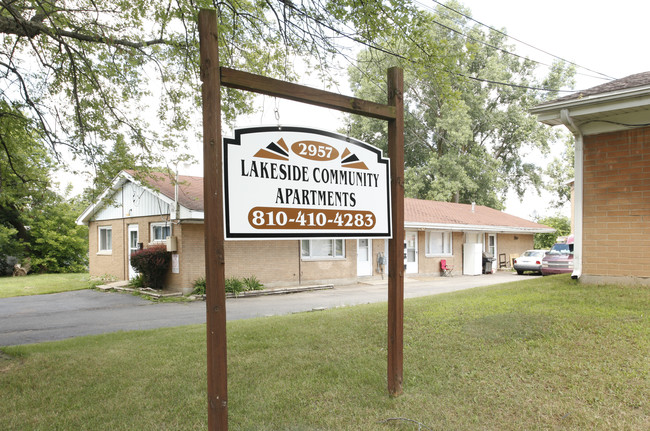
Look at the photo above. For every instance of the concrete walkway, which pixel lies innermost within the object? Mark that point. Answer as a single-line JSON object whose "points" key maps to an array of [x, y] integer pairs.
{"points": [[34, 319]]}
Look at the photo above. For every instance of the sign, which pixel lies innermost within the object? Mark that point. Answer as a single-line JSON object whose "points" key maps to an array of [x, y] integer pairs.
{"points": [[295, 182]]}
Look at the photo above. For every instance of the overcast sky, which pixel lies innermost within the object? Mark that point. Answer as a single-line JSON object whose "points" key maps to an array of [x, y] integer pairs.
{"points": [[606, 39]]}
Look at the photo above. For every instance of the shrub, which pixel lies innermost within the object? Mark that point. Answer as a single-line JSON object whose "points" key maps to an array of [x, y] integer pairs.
{"points": [[152, 263], [234, 285], [199, 286], [252, 283], [137, 281]]}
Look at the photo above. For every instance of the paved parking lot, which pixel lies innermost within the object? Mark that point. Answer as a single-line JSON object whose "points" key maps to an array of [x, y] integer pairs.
{"points": [[34, 319]]}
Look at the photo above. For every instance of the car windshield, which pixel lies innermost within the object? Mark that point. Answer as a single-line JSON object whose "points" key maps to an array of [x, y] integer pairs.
{"points": [[562, 249], [534, 253]]}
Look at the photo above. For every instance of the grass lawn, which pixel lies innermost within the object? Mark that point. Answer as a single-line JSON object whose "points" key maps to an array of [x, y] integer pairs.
{"points": [[37, 284], [544, 353]]}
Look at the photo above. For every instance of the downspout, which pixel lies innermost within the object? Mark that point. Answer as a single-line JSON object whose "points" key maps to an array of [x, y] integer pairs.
{"points": [[566, 119]]}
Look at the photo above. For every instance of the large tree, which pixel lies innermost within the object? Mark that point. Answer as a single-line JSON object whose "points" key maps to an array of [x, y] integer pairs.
{"points": [[467, 130], [83, 72]]}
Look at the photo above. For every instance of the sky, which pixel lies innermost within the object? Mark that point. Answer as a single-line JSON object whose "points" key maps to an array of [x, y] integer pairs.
{"points": [[606, 39], [601, 39]]}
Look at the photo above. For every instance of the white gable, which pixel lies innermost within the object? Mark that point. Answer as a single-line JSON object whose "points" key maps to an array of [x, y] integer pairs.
{"points": [[132, 200]]}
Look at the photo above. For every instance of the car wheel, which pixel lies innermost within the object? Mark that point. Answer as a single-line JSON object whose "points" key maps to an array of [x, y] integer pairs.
{"points": [[519, 272]]}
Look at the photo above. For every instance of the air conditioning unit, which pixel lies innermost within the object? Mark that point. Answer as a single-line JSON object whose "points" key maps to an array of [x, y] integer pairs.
{"points": [[171, 243]]}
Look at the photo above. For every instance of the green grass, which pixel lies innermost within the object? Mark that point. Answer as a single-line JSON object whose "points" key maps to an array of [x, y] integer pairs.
{"points": [[545, 353], [38, 284]]}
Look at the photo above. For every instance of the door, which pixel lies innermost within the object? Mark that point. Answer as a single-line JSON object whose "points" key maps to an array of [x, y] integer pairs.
{"points": [[364, 257], [133, 246], [492, 245], [411, 252]]}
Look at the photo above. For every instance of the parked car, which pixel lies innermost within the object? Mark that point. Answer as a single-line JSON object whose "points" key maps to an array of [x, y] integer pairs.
{"points": [[559, 259], [530, 260]]}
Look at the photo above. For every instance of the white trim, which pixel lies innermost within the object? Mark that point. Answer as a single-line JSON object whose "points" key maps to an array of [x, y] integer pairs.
{"points": [[577, 191], [100, 250], [152, 239], [475, 228], [121, 179], [428, 233], [312, 258]]}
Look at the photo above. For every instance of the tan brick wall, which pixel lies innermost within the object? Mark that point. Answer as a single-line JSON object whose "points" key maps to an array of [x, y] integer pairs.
{"points": [[430, 265], [327, 271], [513, 244], [616, 204], [107, 264], [272, 262]]}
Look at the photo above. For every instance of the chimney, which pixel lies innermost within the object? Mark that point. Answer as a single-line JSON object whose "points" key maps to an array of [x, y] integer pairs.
{"points": [[473, 206]]}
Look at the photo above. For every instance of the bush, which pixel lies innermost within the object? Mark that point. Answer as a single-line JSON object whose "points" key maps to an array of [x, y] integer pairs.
{"points": [[137, 281], [199, 286], [152, 263], [252, 283], [233, 285]]}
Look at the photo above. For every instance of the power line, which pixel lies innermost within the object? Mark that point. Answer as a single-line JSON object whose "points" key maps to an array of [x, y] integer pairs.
{"points": [[402, 57], [603, 76]]}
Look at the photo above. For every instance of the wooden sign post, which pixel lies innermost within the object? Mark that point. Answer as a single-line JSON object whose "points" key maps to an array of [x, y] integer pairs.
{"points": [[213, 77]]}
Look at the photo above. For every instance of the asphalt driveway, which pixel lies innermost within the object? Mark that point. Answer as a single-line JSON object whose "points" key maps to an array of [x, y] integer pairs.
{"points": [[34, 319]]}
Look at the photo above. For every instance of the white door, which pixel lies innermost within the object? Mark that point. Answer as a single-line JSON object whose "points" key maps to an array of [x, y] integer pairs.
{"points": [[133, 246], [364, 257], [411, 252]]}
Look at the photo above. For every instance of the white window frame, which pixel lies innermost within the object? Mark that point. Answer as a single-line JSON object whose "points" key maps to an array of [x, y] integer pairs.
{"points": [[152, 230], [307, 245], [487, 246], [105, 250], [447, 242]]}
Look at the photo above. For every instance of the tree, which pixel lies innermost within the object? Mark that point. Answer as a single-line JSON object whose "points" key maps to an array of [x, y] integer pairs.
{"points": [[562, 225], [466, 134], [34, 221], [85, 72], [24, 175], [58, 244], [561, 173]]}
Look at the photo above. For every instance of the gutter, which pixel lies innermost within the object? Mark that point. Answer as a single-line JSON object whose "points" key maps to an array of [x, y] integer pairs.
{"points": [[476, 228], [568, 122]]}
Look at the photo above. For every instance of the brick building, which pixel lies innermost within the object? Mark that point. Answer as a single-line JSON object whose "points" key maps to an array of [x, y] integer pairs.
{"points": [[611, 125], [143, 210]]}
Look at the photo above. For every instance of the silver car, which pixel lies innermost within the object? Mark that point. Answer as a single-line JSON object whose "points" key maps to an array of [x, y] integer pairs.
{"points": [[530, 260]]}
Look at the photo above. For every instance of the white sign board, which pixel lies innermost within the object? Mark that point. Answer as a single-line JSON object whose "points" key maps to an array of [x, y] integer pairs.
{"points": [[294, 182]]}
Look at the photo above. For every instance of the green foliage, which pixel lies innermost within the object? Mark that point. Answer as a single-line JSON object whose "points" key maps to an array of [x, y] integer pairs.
{"points": [[252, 283], [35, 222], [233, 285], [561, 173], [137, 281], [199, 286], [465, 135], [562, 225], [152, 263], [58, 243]]}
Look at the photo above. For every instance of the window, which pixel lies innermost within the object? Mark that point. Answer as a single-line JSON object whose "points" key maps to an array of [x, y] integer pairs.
{"points": [[160, 231], [322, 248], [105, 239], [438, 244], [492, 244]]}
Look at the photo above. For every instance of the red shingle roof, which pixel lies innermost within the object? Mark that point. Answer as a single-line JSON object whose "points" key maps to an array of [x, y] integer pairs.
{"points": [[415, 210], [433, 212]]}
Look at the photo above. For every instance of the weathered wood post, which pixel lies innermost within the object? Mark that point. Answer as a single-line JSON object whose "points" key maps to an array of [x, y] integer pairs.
{"points": [[396, 244], [215, 272]]}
